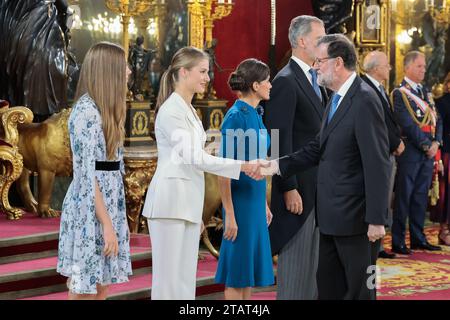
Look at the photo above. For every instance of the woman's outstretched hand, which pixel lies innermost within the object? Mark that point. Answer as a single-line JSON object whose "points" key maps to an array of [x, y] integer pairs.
{"points": [[252, 169], [259, 169]]}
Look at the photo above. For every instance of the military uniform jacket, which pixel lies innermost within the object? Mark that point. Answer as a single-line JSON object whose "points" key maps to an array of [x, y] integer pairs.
{"points": [[417, 141]]}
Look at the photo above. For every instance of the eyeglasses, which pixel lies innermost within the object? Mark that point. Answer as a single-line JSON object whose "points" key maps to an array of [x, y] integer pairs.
{"points": [[318, 61]]}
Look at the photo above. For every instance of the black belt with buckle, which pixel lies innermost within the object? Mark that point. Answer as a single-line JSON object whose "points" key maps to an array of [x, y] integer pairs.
{"points": [[107, 165]]}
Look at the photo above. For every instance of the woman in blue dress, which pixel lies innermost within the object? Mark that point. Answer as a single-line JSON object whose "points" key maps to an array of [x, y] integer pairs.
{"points": [[94, 249], [245, 259]]}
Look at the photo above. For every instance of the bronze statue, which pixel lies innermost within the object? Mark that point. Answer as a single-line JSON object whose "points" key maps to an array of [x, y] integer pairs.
{"points": [[154, 76], [417, 40], [139, 61], [334, 13], [210, 93], [33, 68], [73, 71], [435, 33]]}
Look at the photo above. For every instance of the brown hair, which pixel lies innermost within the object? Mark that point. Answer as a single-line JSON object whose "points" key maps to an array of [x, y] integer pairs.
{"points": [[103, 77], [187, 57], [248, 72]]}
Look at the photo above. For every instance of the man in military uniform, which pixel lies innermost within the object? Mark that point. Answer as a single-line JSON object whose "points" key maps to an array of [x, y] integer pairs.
{"points": [[422, 132]]}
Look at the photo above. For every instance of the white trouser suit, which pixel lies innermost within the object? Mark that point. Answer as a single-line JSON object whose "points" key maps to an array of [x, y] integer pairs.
{"points": [[175, 197]]}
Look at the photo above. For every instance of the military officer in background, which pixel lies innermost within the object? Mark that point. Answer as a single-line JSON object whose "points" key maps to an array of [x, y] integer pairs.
{"points": [[422, 132]]}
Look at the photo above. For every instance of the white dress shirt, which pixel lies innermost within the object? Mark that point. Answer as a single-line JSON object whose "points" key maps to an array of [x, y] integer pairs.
{"points": [[413, 84], [305, 67], [345, 87], [376, 83]]}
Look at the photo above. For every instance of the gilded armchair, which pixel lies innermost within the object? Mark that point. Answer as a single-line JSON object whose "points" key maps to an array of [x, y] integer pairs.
{"points": [[11, 162]]}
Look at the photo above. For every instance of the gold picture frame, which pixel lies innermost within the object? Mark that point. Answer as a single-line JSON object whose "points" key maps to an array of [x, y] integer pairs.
{"points": [[371, 22]]}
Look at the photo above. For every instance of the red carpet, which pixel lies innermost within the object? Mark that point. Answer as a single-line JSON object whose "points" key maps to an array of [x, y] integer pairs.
{"points": [[424, 275], [28, 225], [206, 269], [43, 263]]}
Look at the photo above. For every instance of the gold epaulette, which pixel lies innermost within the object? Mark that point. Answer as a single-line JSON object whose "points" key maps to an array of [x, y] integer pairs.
{"points": [[427, 116]]}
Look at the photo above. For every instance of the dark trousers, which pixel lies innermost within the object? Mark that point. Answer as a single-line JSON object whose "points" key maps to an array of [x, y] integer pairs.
{"points": [[347, 268], [411, 198]]}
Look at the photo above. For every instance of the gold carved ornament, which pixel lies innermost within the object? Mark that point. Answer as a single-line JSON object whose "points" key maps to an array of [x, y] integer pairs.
{"points": [[127, 9], [138, 174], [140, 124], [202, 14], [11, 161], [196, 25], [215, 119]]}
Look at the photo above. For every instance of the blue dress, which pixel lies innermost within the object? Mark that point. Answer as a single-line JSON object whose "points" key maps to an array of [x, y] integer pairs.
{"points": [[80, 248], [246, 262]]}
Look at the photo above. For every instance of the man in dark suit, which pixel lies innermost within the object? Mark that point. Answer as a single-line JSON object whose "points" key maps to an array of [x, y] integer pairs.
{"points": [[352, 155], [422, 130], [295, 109], [376, 66]]}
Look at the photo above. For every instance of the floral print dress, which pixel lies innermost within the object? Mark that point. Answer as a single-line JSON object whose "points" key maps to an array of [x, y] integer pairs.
{"points": [[81, 244]]}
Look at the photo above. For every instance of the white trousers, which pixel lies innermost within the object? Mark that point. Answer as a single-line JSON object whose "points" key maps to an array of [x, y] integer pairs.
{"points": [[175, 245]]}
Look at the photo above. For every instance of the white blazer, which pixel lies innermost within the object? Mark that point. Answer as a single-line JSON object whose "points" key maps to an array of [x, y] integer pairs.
{"points": [[177, 189]]}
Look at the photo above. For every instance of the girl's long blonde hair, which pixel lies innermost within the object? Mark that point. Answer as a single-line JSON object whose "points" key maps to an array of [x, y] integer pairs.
{"points": [[103, 77], [186, 57]]}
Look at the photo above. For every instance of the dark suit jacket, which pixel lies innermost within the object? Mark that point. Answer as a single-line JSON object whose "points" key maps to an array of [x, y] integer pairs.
{"points": [[394, 135], [296, 111], [353, 164], [414, 137], [443, 106]]}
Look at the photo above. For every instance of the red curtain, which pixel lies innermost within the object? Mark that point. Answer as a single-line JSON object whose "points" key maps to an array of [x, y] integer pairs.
{"points": [[245, 33]]}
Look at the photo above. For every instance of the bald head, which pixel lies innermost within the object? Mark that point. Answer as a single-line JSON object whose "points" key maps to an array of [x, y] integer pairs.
{"points": [[377, 66]]}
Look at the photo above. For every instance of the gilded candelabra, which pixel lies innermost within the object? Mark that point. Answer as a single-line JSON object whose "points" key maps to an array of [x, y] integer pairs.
{"points": [[127, 9], [409, 13], [405, 11], [203, 13], [157, 12], [409, 18]]}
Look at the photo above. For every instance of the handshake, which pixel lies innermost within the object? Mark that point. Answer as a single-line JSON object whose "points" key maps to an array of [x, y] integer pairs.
{"points": [[259, 169]]}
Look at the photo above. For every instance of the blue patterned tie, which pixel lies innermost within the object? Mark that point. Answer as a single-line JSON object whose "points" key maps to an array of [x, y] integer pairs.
{"points": [[316, 88], [420, 91], [333, 107]]}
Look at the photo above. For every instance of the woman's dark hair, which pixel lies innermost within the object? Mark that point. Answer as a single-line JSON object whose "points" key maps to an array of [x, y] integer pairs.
{"points": [[248, 72]]}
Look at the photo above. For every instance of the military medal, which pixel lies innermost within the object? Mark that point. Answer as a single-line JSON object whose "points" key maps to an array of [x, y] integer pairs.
{"points": [[430, 98], [418, 113]]}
